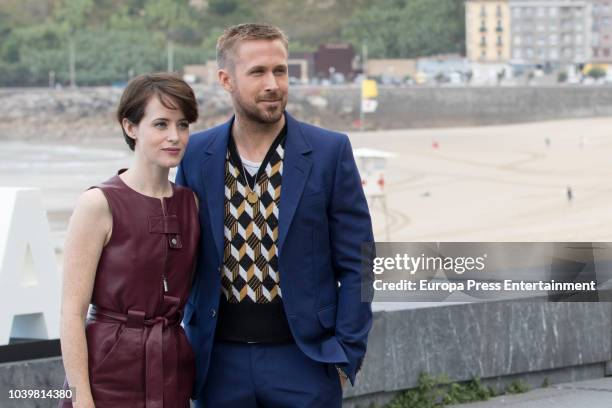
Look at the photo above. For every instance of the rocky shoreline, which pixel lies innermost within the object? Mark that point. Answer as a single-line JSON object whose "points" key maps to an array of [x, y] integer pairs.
{"points": [[87, 114]]}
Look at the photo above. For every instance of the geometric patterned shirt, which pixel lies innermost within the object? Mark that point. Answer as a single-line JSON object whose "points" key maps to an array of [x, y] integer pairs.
{"points": [[250, 261]]}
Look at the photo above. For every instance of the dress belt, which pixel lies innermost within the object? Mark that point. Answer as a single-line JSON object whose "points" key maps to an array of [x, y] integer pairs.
{"points": [[154, 347]]}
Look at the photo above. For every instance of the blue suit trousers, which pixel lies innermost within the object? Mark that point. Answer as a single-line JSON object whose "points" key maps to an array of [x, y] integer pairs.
{"points": [[268, 376]]}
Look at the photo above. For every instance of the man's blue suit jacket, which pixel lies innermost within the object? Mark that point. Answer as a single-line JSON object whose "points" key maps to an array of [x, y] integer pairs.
{"points": [[323, 222]]}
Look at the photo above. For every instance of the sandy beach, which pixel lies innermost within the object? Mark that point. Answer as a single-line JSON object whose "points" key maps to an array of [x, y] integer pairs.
{"points": [[494, 183], [497, 183]]}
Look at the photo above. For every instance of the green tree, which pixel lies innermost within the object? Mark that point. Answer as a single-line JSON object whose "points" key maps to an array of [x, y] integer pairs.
{"points": [[25, 13], [29, 53], [72, 15], [408, 28], [114, 56], [309, 22], [377, 27], [104, 40], [171, 17], [596, 72]]}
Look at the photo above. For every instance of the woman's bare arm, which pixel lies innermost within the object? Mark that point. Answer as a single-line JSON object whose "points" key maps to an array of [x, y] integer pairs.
{"points": [[89, 230]]}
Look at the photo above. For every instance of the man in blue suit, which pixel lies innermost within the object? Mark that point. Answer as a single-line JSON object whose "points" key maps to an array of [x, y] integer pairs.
{"points": [[275, 316]]}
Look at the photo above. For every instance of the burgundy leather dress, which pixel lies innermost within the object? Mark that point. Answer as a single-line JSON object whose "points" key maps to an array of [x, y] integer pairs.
{"points": [[139, 355]]}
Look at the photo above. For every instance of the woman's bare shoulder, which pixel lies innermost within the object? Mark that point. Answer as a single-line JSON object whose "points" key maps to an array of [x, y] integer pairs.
{"points": [[92, 208], [93, 201]]}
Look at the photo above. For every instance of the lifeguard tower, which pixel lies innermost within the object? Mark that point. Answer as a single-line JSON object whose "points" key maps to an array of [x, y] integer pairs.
{"points": [[372, 165]]}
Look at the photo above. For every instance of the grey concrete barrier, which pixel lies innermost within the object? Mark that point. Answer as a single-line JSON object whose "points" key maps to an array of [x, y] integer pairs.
{"points": [[498, 341]]}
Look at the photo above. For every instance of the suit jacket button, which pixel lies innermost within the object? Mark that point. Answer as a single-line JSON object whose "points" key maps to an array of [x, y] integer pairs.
{"points": [[213, 313]]}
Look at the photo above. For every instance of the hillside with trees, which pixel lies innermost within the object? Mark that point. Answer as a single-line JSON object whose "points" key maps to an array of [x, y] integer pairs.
{"points": [[107, 41]]}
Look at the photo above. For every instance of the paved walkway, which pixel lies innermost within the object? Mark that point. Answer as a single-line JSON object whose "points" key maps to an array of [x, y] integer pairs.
{"points": [[584, 394]]}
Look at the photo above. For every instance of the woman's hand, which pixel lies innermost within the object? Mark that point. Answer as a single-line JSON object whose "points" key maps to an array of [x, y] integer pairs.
{"points": [[86, 403]]}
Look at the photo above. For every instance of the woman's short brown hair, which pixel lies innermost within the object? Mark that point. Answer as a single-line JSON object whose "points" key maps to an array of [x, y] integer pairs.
{"points": [[172, 91]]}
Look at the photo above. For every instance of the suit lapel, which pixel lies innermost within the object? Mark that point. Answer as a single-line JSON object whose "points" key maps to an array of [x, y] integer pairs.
{"points": [[213, 180], [296, 168]]}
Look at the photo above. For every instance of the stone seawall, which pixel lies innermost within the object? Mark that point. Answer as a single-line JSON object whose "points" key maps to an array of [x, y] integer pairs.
{"points": [[498, 341], [333, 107]]}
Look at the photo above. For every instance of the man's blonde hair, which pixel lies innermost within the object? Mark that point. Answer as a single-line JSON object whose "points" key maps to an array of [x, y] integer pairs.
{"points": [[245, 32]]}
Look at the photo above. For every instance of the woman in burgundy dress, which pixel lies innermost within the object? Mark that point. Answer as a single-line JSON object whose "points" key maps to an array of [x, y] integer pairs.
{"points": [[130, 253]]}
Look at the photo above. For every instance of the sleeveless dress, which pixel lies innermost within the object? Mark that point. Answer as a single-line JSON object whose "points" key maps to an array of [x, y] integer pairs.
{"points": [[138, 353]]}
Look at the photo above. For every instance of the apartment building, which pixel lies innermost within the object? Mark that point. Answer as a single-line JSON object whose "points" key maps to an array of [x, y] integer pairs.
{"points": [[601, 35], [551, 32], [487, 31]]}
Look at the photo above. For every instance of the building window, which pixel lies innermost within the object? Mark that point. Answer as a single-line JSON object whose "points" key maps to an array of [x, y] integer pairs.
{"points": [[498, 12], [483, 40], [529, 52], [541, 11], [516, 12], [552, 54], [499, 40], [595, 52], [541, 27], [499, 28], [552, 12], [552, 39], [517, 40], [483, 54], [578, 39], [606, 52], [595, 39], [516, 53], [483, 12]]}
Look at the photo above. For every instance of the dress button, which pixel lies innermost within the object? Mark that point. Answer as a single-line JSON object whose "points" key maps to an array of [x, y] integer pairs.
{"points": [[173, 241], [213, 313]]}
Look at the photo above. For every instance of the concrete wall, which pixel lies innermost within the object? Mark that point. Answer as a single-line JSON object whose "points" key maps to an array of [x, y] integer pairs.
{"points": [[499, 341], [418, 107], [334, 107]]}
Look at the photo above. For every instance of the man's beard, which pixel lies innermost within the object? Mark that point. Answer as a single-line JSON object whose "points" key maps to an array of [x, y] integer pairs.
{"points": [[253, 113]]}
